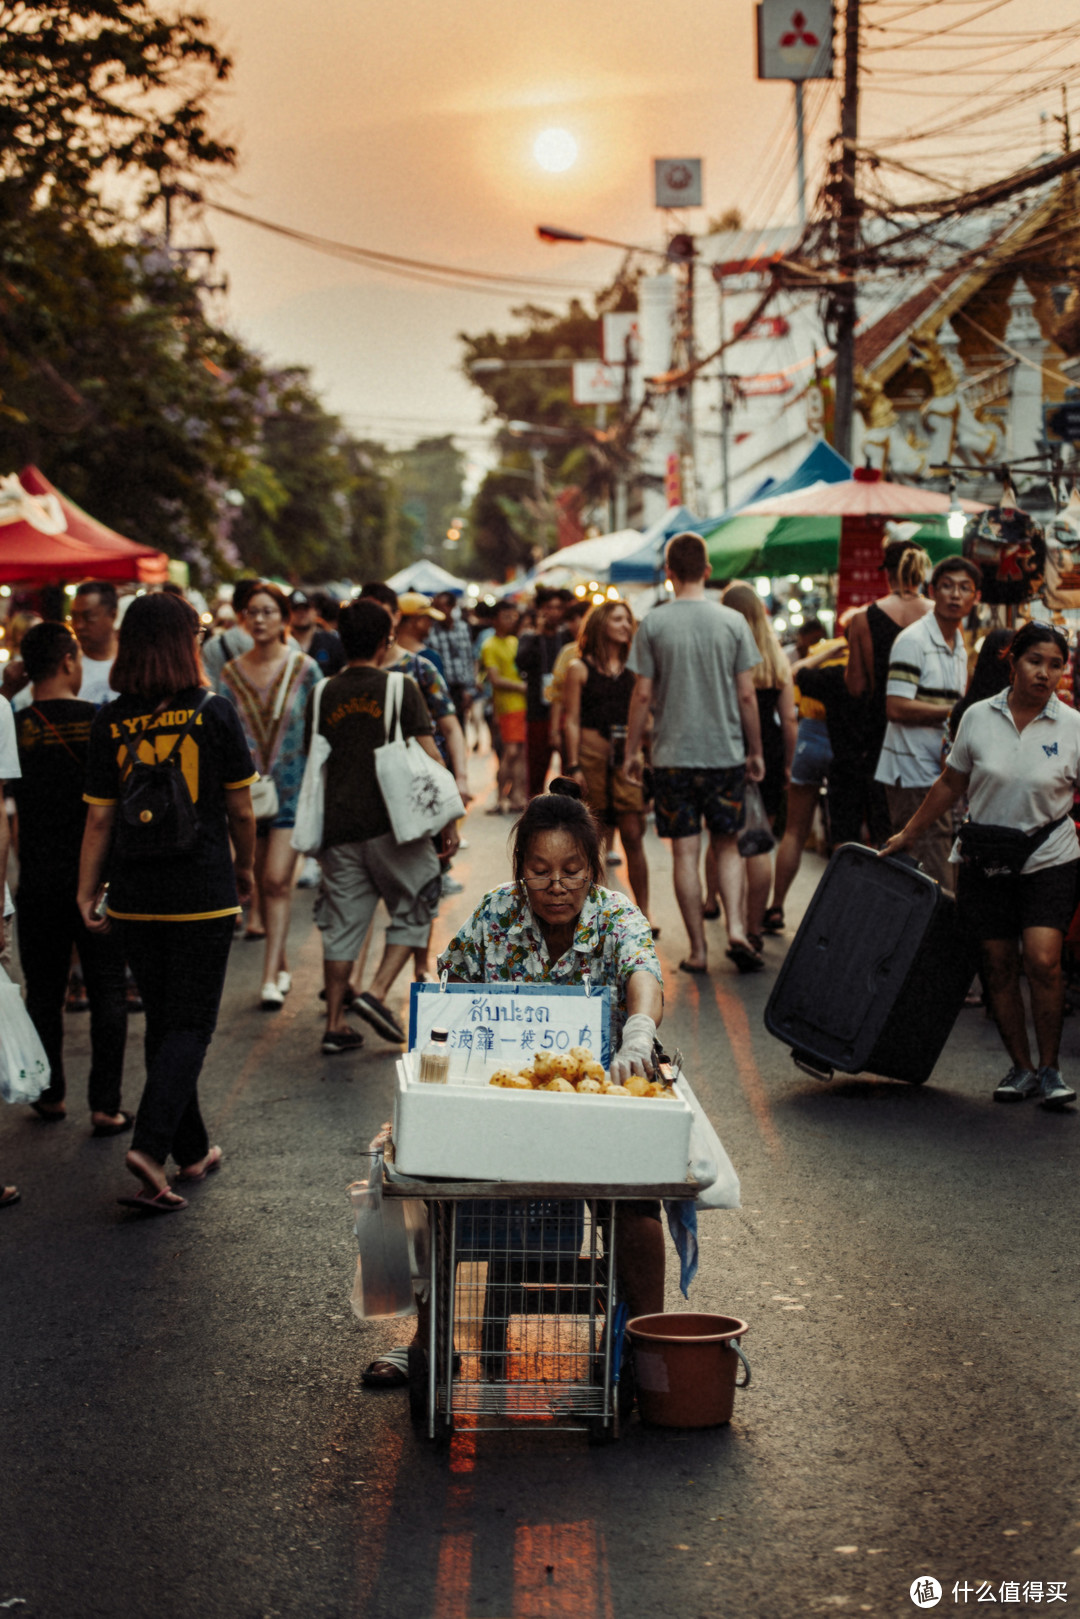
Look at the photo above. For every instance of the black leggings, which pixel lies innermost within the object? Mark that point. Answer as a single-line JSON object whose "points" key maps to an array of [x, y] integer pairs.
{"points": [[180, 970]]}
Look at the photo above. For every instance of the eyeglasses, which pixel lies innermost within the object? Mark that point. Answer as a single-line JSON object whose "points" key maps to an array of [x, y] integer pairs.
{"points": [[557, 877]]}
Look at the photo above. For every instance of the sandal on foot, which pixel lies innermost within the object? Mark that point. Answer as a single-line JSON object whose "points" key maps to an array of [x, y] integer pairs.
{"points": [[774, 919], [711, 914], [745, 959], [165, 1202], [48, 1115], [126, 1121], [210, 1163], [389, 1370], [688, 967], [9, 1195]]}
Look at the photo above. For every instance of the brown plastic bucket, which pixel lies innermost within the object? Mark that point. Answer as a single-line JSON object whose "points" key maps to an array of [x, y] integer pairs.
{"points": [[686, 1366]]}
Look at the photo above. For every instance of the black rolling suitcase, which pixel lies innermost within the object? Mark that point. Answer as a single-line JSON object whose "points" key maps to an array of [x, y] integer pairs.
{"points": [[876, 974]]}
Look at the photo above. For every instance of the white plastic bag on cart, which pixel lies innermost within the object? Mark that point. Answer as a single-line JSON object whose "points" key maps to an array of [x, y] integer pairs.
{"points": [[392, 1237], [709, 1163], [24, 1067]]}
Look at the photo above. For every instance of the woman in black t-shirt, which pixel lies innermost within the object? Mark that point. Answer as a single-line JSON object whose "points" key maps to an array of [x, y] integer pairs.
{"points": [[176, 912]]}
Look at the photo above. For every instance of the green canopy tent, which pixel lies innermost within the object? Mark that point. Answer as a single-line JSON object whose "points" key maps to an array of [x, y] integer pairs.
{"points": [[778, 545], [800, 532]]}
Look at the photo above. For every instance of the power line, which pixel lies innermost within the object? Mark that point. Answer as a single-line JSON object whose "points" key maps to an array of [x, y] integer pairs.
{"points": [[413, 269]]}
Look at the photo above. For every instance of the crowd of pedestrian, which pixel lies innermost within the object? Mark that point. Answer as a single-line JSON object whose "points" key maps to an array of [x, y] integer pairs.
{"points": [[156, 771]]}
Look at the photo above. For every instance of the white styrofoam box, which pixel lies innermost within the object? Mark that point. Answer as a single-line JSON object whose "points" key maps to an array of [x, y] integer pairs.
{"points": [[471, 1130]]}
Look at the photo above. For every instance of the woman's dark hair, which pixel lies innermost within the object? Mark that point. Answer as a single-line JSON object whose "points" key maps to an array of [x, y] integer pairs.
{"points": [[44, 648], [376, 591], [559, 810], [263, 587], [1034, 634], [989, 676], [159, 649], [363, 626]]}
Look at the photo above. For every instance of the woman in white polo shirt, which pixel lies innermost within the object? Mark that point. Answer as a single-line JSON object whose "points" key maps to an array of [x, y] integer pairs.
{"points": [[1017, 757]]}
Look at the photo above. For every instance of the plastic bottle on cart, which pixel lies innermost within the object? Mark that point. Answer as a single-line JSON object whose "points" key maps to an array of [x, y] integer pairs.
{"points": [[435, 1059]]}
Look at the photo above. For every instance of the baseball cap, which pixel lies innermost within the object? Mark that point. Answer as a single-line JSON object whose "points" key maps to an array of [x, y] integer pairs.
{"points": [[413, 602], [299, 599]]}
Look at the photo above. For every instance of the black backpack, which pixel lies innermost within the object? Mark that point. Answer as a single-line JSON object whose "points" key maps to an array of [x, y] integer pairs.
{"points": [[157, 818]]}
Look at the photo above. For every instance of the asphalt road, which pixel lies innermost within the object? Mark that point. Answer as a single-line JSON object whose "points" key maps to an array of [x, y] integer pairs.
{"points": [[183, 1431]]}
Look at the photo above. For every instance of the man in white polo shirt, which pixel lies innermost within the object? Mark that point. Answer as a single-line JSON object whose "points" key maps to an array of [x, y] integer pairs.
{"points": [[927, 675]]}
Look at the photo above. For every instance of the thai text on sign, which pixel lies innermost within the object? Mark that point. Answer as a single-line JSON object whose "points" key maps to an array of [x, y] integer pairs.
{"points": [[510, 1023]]}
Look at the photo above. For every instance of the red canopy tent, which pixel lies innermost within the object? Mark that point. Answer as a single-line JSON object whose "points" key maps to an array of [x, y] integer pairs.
{"points": [[46, 539]]}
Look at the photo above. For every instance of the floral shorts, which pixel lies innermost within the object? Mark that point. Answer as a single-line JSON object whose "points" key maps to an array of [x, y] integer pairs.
{"points": [[684, 798]]}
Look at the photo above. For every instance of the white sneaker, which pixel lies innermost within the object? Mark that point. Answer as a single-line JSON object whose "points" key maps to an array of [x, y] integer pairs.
{"points": [[284, 981], [271, 998]]}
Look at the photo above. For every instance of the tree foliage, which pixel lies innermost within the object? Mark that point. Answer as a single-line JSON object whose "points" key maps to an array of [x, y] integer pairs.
{"points": [[432, 476], [508, 525], [93, 90]]}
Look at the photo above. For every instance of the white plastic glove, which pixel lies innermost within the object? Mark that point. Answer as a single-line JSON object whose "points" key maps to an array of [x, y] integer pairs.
{"points": [[634, 1055]]}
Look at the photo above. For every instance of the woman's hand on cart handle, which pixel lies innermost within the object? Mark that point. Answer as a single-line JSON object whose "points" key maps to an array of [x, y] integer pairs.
{"points": [[634, 1055]]}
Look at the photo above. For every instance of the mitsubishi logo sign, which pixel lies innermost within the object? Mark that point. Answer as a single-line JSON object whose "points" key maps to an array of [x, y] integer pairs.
{"points": [[795, 39]]}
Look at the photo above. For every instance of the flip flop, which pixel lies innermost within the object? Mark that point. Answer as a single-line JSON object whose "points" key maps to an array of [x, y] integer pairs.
{"points": [[688, 967], [745, 959], [165, 1202], [114, 1129], [394, 1373], [213, 1162], [47, 1115], [711, 916], [9, 1195], [774, 919]]}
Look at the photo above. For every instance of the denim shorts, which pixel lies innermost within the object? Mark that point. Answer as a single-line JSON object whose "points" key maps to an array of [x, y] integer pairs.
{"points": [[813, 754], [682, 798]]}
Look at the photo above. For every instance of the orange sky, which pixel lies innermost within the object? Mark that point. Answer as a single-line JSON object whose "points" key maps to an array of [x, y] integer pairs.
{"points": [[408, 128]]}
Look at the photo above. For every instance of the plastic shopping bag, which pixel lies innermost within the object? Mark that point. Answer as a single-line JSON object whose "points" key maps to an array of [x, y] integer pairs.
{"points": [[755, 834], [307, 834], [392, 1237], [24, 1067]]}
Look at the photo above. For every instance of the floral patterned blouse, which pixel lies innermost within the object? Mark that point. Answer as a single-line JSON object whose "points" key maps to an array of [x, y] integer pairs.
{"points": [[502, 942]]}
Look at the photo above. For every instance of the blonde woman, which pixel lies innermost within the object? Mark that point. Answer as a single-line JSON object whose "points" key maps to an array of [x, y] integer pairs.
{"points": [[596, 706], [775, 693]]}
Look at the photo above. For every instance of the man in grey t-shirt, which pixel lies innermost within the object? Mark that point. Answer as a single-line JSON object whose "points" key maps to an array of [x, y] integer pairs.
{"points": [[693, 658]]}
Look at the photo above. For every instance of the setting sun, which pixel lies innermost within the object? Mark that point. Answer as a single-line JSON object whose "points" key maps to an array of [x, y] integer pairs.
{"points": [[555, 150]]}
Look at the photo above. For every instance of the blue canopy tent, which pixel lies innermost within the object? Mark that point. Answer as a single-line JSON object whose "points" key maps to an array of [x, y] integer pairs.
{"points": [[822, 464]]}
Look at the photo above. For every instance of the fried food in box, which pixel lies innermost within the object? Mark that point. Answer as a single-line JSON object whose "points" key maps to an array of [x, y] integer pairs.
{"points": [[574, 1072]]}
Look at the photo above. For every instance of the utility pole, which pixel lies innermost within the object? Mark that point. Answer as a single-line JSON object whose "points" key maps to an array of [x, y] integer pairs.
{"points": [[847, 235]]}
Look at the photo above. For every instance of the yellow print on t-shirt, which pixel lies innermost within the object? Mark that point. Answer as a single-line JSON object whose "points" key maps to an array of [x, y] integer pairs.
{"points": [[355, 705], [153, 749]]}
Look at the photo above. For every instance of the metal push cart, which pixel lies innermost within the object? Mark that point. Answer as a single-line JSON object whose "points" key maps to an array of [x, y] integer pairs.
{"points": [[525, 1325]]}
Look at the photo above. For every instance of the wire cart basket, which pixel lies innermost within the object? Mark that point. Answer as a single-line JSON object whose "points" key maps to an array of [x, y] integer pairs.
{"points": [[526, 1325]]}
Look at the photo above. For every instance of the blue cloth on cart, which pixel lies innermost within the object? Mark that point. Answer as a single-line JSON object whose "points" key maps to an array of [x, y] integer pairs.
{"points": [[682, 1224]]}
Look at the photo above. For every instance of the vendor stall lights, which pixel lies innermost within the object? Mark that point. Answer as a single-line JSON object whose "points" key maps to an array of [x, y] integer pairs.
{"points": [[763, 587], [806, 585]]}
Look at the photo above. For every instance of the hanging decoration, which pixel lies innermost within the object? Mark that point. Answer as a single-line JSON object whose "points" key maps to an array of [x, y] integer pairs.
{"points": [[1008, 546]]}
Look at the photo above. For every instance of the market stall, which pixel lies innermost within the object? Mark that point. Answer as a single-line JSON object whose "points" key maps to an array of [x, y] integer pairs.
{"points": [[513, 1152], [47, 538]]}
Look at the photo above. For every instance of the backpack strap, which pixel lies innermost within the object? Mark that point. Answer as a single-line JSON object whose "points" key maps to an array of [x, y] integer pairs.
{"points": [[133, 746]]}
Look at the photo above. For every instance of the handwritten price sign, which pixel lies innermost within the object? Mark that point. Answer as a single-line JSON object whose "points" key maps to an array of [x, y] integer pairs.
{"points": [[509, 1023]]}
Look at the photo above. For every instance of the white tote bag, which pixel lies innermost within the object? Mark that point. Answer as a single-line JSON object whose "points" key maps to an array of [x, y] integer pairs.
{"points": [[307, 833], [420, 795], [24, 1067]]}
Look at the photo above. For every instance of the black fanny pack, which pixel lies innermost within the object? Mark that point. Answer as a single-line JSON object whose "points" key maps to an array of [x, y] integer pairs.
{"points": [[1001, 851]]}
